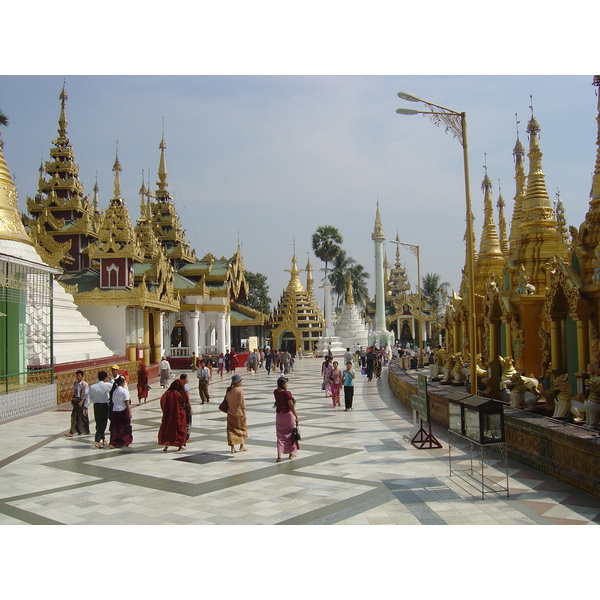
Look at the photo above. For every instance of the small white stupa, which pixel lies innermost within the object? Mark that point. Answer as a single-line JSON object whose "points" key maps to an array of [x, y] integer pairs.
{"points": [[329, 342], [351, 328]]}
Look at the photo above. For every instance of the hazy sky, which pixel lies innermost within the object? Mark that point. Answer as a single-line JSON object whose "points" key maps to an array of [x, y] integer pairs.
{"points": [[268, 159]]}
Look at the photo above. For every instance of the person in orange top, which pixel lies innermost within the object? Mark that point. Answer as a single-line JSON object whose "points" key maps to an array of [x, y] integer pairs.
{"points": [[237, 431]]}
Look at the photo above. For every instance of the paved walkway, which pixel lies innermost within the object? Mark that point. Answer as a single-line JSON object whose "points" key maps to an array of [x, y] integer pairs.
{"points": [[353, 468]]}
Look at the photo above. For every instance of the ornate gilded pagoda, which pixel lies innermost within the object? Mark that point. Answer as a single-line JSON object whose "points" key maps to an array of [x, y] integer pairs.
{"points": [[297, 322]]}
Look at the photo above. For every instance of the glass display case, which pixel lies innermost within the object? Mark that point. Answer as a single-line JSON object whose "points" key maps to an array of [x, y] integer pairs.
{"points": [[455, 417], [483, 420]]}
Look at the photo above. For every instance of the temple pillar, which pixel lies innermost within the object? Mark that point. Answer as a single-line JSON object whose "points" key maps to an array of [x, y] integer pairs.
{"points": [[146, 347], [221, 336], [156, 337], [583, 345], [455, 336], [193, 332]]}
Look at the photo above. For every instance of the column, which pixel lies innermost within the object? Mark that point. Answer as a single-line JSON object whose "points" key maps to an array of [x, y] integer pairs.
{"points": [[193, 332], [583, 345], [221, 336], [147, 316], [156, 341]]}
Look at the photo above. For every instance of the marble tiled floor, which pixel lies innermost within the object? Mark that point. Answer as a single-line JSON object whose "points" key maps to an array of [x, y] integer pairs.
{"points": [[354, 468]]}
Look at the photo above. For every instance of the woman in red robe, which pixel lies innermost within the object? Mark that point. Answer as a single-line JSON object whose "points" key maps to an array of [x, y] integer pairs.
{"points": [[173, 427], [142, 383]]}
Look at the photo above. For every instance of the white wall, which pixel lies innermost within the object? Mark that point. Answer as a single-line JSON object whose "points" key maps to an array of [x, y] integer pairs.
{"points": [[111, 323]]}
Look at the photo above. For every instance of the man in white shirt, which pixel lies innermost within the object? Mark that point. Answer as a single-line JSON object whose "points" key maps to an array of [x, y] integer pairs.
{"points": [[98, 396], [80, 422], [203, 375]]}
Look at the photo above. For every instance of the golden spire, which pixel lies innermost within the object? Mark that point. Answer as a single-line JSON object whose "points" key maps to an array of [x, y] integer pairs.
{"points": [[162, 166], [502, 221], [349, 292], [142, 193], [596, 177], [378, 233], [95, 203], [294, 284], [117, 170], [489, 243], [520, 189], [62, 120], [536, 205], [310, 284], [11, 226]]}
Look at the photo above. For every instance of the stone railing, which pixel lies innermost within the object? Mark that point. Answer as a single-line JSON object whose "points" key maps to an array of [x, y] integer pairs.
{"points": [[567, 452]]}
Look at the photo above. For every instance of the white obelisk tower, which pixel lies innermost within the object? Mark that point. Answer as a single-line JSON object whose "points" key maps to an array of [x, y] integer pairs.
{"points": [[379, 335]]}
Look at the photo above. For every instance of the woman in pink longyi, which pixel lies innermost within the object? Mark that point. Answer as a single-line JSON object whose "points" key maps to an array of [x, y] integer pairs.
{"points": [[285, 420], [335, 380]]}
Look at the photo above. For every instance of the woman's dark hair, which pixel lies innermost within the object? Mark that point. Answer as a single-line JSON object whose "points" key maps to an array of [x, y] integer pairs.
{"points": [[119, 380]]}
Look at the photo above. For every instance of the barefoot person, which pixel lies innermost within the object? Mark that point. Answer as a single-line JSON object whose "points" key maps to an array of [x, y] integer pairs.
{"points": [[237, 431], [286, 419], [173, 427]]}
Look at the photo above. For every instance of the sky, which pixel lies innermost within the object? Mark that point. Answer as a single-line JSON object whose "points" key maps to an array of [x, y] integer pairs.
{"points": [[267, 159], [280, 117]]}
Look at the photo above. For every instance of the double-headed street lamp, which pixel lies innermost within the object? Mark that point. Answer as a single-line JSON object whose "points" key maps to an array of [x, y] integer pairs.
{"points": [[456, 123]]}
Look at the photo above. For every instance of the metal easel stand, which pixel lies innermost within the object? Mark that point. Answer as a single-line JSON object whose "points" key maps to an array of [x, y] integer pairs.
{"points": [[424, 439], [475, 475]]}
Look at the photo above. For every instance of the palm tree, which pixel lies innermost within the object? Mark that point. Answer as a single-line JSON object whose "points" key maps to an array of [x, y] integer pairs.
{"points": [[3, 121], [326, 243], [434, 292], [359, 285], [338, 275]]}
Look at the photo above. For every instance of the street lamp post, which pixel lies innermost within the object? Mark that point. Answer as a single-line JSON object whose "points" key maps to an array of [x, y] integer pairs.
{"points": [[415, 249], [456, 123]]}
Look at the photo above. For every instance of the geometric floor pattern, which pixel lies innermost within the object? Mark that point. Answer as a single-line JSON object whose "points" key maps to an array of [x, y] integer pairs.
{"points": [[353, 468]]}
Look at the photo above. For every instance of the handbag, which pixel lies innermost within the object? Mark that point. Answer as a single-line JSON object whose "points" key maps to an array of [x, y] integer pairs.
{"points": [[295, 436], [224, 406]]}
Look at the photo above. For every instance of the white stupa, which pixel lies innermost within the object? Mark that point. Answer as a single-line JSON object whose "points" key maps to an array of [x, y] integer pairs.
{"points": [[329, 342], [351, 328]]}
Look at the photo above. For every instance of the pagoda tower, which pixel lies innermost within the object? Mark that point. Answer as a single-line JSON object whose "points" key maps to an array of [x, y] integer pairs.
{"points": [[117, 247], [589, 232], [520, 191], [538, 238], [296, 323], [144, 230], [490, 258], [63, 222], [167, 225]]}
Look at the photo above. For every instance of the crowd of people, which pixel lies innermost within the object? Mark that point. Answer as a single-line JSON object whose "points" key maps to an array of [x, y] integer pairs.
{"points": [[111, 399]]}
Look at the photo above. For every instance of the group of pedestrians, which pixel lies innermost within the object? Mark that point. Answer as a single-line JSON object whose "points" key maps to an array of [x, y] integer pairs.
{"points": [[111, 401], [334, 379]]}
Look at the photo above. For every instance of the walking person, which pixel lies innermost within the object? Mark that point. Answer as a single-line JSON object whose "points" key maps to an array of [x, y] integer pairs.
{"points": [[165, 371], [285, 360], [221, 364], [335, 380], [183, 380], [237, 431], [370, 363], [268, 361], [142, 383], [203, 374], [80, 422], [233, 361], [348, 375], [227, 361], [326, 369], [286, 419], [121, 433], [98, 397], [173, 426], [348, 356]]}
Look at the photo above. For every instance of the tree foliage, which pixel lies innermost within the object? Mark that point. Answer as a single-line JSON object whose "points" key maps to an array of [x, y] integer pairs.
{"points": [[434, 291], [345, 267], [258, 292], [3, 121], [326, 242]]}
